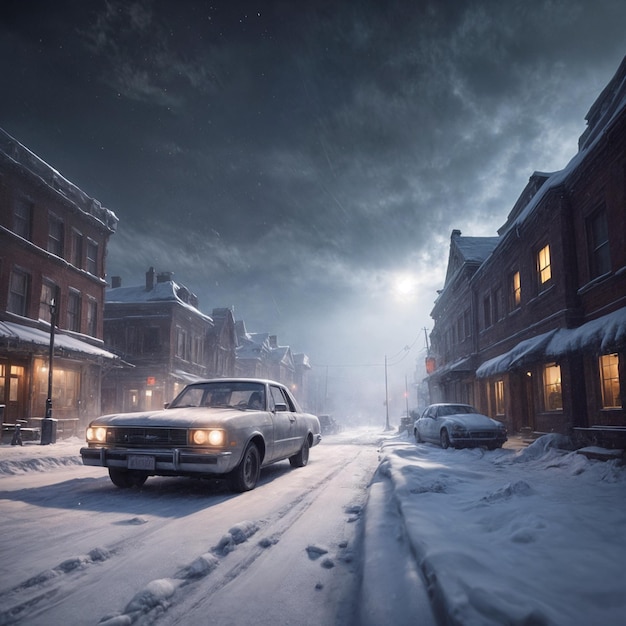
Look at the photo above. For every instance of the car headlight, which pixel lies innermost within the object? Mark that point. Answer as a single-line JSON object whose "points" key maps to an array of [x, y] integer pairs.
{"points": [[96, 434], [457, 429], [208, 437]]}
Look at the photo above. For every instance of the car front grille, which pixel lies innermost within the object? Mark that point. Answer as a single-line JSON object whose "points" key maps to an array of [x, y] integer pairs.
{"points": [[147, 437], [483, 434]]}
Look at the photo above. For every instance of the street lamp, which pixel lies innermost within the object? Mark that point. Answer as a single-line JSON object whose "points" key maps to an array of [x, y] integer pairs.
{"points": [[48, 425]]}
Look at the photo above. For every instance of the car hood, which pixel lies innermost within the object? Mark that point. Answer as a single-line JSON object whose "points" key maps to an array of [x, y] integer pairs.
{"points": [[472, 420], [174, 418]]}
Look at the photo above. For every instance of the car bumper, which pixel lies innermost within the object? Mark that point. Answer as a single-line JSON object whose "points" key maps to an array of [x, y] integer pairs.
{"points": [[471, 441], [160, 462]]}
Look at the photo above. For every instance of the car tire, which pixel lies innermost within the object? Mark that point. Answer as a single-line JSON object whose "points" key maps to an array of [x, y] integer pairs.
{"points": [[418, 437], [444, 439], [302, 458], [125, 479], [246, 475]]}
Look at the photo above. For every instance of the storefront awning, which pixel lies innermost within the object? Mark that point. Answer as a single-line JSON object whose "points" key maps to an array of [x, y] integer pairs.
{"points": [[186, 377], [17, 337], [600, 336]]}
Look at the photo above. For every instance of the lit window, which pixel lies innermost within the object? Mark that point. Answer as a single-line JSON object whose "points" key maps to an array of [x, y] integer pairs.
{"points": [[553, 398], [599, 254], [609, 379], [516, 290], [499, 396], [544, 268]]}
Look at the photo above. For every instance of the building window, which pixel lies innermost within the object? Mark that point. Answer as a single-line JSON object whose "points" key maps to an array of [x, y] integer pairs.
{"points": [[598, 237], [499, 396], [73, 311], [77, 249], [55, 235], [609, 379], [182, 343], [496, 304], [467, 323], [23, 218], [487, 311], [151, 340], [460, 332], [516, 290], [92, 257], [92, 317], [553, 400], [18, 293], [48, 293], [544, 268]]}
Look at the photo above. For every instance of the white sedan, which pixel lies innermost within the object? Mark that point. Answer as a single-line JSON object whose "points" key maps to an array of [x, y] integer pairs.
{"points": [[458, 426], [230, 427]]}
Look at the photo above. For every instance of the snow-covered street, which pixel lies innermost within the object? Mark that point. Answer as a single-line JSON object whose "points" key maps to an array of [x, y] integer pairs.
{"points": [[522, 535]]}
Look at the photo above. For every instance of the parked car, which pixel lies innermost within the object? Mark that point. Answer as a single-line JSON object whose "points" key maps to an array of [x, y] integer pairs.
{"points": [[458, 426], [328, 425], [223, 427]]}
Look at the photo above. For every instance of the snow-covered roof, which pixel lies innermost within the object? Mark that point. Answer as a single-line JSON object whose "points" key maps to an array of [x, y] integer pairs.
{"points": [[600, 336], [24, 158], [476, 248], [10, 331], [166, 291]]}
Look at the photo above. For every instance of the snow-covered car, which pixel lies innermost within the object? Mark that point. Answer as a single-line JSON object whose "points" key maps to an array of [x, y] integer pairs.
{"points": [[458, 426], [223, 427]]}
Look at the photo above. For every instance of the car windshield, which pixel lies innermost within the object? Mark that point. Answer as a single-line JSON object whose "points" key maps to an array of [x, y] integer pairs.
{"points": [[234, 394], [456, 409]]}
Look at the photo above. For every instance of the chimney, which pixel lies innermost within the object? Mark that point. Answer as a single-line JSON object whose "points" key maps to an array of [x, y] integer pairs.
{"points": [[116, 281], [273, 341], [164, 277], [150, 279], [456, 233]]}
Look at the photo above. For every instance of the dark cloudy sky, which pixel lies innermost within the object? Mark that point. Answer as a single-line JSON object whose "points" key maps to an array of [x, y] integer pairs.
{"points": [[306, 161]]}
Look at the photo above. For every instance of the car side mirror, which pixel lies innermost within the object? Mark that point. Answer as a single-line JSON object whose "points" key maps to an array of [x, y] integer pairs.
{"points": [[166, 405], [280, 406]]}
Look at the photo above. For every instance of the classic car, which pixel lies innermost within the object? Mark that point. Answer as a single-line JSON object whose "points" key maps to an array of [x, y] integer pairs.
{"points": [[458, 426], [223, 427]]}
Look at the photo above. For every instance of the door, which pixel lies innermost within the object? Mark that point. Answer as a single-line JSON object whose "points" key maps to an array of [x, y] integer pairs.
{"points": [[286, 439]]}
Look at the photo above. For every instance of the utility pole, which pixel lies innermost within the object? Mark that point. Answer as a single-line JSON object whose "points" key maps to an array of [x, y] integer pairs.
{"points": [[387, 427]]}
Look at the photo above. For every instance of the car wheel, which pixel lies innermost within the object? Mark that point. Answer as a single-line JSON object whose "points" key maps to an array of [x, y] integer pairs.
{"points": [[418, 437], [444, 439], [125, 479], [246, 475], [302, 458]]}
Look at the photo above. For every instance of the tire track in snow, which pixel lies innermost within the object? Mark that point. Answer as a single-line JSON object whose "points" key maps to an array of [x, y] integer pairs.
{"points": [[159, 596]]}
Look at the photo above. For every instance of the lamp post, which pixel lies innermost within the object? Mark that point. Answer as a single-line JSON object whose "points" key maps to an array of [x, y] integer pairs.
{"points": [[48, 425]]}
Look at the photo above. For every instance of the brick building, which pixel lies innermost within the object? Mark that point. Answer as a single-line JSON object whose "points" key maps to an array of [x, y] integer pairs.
{"points": [[53, 242], [531, 325], [158, 329], [260, 356]]}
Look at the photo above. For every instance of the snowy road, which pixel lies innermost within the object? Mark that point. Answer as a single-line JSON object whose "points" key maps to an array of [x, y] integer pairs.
{"points": [[77, 550]]}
